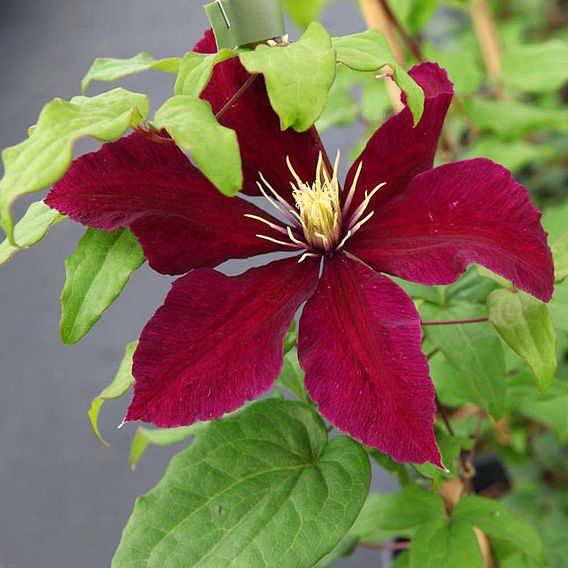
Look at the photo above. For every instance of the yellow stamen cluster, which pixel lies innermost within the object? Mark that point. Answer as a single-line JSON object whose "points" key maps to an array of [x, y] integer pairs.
{"points": [[318, 218], [319, 206]]}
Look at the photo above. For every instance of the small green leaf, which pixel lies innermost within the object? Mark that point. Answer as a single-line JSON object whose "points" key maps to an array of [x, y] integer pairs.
{"points": [[369, 51], [96, 274], [292, 377], [495, 520], [560, 255], [474, 349], [406, 509], [298, 77], [304, 12], [450, 448], [196, 69], [108, 69], [261, 488], [511, 119], [31, 229], [538, 68], [119, 386], [415, 14], [192, 124], [513, 154], [291, 337], [525, 324], [439, 543], [45, 156], [160, 437], [340, 109], [461, 61], [552, 411], [558, 306]]}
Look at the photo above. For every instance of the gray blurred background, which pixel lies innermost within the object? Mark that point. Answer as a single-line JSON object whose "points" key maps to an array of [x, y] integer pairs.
{"points": [[63, 497]]}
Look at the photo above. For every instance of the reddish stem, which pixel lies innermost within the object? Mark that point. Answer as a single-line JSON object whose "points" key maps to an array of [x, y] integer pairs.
{"points": [[233, 100], [455, 322], [386, 545]]}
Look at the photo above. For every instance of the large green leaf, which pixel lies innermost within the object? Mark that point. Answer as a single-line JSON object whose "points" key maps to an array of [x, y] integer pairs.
{"points": [[45, 156], [298, 76], [261, 488], [192, 124], [196, 69], [525, 324], [537, 68], [453, 388], [304, 12], [450, 544], [474, 349], [96, 274], [160, 437], [369, 51], [494, 519], [118, 387], [31, 229], [108, 69]]}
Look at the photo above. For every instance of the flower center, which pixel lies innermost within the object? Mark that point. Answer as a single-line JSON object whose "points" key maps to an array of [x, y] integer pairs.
{"points": [[319, 206], [319, 224]]}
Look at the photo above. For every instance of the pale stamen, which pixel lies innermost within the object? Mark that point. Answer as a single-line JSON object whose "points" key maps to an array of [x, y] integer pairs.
{"points": [[351, 193], [267, 222], [320, 215], [307, 255], [266, 238], [361, 209], [357, 226], [285, 204], [344, 240], [295, 240]]}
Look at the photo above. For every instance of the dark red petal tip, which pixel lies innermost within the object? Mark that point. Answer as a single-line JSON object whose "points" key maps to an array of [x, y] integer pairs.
{"points": [[360, 347], [398, 150], [216, 342], [457, 214]]}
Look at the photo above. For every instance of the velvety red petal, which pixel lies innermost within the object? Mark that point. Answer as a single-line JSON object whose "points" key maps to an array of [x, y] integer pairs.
{"points": [[181, 220], [455, 215], [360, 347], [398, 150], [217, 341], [264, 146]]}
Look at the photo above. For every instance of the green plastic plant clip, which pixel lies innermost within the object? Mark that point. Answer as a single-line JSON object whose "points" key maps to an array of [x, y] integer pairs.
{"points": [[237, 23]]}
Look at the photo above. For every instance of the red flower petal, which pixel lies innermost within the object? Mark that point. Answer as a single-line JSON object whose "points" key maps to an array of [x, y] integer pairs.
{"points": [[360, 346], [264, 146], [452, 216], [217, 341], [181, 220], [398, 151]]}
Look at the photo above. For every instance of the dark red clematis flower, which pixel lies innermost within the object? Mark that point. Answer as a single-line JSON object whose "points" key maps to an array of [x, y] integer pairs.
{"points": [[217, 340]]}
